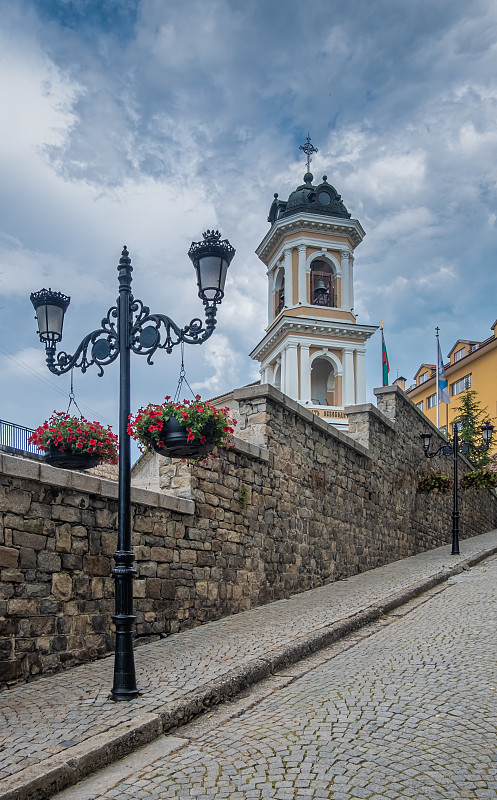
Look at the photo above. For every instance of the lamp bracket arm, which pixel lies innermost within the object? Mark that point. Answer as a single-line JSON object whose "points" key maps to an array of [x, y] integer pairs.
{"points": [[152, 332], [100, 347]]}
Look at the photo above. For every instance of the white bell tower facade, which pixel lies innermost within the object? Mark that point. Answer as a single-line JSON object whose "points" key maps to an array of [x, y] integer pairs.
{"points": [[314, 349]]}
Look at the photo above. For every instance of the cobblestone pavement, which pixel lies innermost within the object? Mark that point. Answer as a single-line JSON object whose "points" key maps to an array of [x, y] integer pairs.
{"points": [[405, 708], [45, 719]]}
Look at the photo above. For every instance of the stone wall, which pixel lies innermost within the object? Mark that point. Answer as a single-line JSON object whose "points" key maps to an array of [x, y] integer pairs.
{"points": [[294, 505]]}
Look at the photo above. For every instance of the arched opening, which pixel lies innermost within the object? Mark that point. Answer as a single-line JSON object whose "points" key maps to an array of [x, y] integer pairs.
{"points": [[277, 377], [322, 284], [279, 292], [322, 383]]}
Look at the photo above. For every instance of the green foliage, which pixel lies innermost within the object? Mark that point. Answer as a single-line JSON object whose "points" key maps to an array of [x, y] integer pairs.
{"points": [[469, 420], [434, 481], [243, 498], [479, 480]]}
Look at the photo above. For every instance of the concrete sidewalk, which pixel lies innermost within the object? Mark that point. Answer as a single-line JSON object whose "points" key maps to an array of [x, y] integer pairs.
{"points": [[59, 728]]}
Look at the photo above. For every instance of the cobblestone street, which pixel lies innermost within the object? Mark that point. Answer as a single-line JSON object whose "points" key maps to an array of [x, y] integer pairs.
{"points": [[403, 708]]}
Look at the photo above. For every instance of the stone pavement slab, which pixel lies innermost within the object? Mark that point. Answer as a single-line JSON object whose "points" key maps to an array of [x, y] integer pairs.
{"points": [[59, 728]]}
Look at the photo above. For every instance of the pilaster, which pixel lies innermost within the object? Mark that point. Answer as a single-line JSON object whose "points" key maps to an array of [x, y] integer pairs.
{"points": [[348, 387], [302, 298]]}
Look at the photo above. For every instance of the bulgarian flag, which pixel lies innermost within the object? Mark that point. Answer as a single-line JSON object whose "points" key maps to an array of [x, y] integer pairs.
{"points": [[385, 366]]}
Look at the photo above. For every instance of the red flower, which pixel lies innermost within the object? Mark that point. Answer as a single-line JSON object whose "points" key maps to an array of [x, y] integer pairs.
{"points": [[203, 440], [151, 428], [190, 436], [79, 445]]}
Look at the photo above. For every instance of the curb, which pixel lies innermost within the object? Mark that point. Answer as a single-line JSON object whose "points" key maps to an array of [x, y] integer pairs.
{"points": [[41, 781]]}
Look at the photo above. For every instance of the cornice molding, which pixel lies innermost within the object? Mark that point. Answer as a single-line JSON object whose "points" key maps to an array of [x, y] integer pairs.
{"points": [[309, 223], [288, 326]]}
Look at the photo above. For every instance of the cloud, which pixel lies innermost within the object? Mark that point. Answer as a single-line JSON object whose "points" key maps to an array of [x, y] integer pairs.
{"points": [[145, 123]]}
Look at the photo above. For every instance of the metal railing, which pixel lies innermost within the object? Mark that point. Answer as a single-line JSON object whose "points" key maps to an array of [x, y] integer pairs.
{"points": [[14, 438]]}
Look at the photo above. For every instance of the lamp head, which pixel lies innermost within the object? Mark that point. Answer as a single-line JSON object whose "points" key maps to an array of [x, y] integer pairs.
{"points": [[211, 259], [487, 431], [50, 308], [426, 439]]}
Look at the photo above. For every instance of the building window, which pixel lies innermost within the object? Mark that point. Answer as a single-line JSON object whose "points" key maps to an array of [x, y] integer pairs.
{"points": [[279, 292], [420, 405], [431, 401], [322, 284], [459, 354], [459, 386], [423, 377]]}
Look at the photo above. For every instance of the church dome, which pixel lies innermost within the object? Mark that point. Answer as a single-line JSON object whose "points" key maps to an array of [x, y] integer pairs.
{"points": [[307, 198]]}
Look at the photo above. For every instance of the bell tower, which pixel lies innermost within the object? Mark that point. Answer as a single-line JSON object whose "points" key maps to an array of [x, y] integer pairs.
{"points": [[314, 349]]}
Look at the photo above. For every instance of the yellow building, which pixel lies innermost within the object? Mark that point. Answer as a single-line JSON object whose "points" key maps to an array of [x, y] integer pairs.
{"points": [[470, 362]]}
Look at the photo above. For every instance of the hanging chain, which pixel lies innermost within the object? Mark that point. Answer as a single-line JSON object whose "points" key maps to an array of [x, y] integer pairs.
{"points": [[72, 398], [182, 378]]}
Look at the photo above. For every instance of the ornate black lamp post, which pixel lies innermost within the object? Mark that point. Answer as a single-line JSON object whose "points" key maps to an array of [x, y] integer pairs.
{"points": [[130, 327], [452, 448]]}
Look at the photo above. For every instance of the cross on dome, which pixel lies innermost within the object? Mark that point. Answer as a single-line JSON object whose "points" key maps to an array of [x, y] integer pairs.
{"points": [[308, 148]]}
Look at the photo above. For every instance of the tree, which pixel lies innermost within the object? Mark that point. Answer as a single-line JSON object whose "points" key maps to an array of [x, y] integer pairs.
{"points": [[469, 422]]}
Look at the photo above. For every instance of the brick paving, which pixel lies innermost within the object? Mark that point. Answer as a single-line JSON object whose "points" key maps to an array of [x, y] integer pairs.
{"points": [[43, 723], [406, 708]]}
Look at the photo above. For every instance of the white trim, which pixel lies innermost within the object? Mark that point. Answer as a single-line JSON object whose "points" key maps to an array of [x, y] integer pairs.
{"points": [[327, 356], [350, 228]]}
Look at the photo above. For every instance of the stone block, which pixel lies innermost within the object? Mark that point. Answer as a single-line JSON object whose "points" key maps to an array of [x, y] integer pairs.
{"points": [[16, 500], [147, 569], [63, 538], [153, 588], [48, 562], [31, 540], [96, 565], [21, 607], [62, 586], [12, 576], [9, 557], [27, 558], [66, 514], [161, 554]]}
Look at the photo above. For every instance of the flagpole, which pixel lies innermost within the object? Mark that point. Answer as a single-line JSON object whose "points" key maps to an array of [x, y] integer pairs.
{"points": [[438, 400], [381, 329]]}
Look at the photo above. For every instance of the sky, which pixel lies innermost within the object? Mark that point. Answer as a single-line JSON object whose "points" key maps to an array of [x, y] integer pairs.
{"points": [[145, 122]]}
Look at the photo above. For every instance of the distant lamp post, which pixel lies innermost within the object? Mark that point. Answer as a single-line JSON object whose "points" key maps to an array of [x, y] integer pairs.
{"points": [[453, 448], [130, 327]]}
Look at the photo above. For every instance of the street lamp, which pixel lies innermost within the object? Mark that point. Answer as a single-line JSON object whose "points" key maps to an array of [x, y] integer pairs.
{"points": [[452, 448], [130, 327]]}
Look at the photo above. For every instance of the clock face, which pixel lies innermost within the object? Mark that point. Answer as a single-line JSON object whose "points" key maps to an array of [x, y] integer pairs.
{"points": [[324, 198]]}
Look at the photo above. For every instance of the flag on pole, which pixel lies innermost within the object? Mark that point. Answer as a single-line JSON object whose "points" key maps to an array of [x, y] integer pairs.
{"points": [[443, 391], [385, 366]]}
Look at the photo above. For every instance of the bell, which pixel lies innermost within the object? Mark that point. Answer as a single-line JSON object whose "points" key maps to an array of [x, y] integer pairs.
{"points": [[320, 293]]}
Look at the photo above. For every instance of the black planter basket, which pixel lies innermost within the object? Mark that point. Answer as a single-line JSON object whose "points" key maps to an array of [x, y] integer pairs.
{"points": [[71, 460], [176, 444]]}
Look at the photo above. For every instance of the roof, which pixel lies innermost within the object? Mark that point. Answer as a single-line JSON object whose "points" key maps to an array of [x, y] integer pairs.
{"points": [[425, 366], [322, 199], [471, 342]]}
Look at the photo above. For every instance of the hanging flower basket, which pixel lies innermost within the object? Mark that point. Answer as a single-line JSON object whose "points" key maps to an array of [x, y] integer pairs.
{"points": [[74, 443], [434, 482], [191, 429], [479, 480]]}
